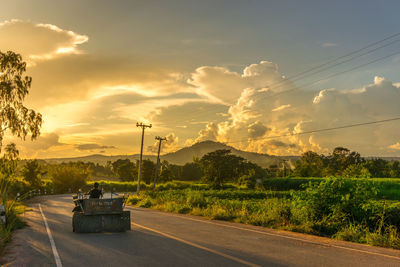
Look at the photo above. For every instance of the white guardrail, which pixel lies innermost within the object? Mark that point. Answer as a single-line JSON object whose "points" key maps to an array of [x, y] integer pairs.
{"points": [[2, 214]]}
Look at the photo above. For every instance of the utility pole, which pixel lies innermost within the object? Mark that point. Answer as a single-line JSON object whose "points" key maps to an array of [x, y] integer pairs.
{"points": [[160, 139], [284, 167], [143, 126]]}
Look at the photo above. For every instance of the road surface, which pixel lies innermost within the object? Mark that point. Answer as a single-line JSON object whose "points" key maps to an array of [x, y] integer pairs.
{"points": [[165, 239]]}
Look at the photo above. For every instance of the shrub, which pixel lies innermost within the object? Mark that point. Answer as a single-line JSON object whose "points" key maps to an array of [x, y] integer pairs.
{"points": [[336, 198], [389, 237], [69, 178], [10, 206], [248, 180], [145, 203], [352, 232], [32, 172]]}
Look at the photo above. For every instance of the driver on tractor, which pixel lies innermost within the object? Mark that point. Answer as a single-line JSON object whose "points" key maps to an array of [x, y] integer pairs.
{"points": [[95, 192]]}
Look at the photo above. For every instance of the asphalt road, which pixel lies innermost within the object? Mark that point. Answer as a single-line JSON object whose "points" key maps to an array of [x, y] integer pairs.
{"points": [[165, 239]]}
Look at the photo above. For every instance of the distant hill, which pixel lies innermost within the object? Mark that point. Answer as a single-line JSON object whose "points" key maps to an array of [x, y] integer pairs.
{"points": [[184, 155], [197, 150], [100, 159]]}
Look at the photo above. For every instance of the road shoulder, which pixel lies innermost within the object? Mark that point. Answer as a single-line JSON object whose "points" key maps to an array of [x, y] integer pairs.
{"points": [[29, 246]]}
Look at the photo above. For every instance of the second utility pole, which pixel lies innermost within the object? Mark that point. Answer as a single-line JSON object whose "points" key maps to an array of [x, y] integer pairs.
{"points": [[158, 158], [141, 154]]}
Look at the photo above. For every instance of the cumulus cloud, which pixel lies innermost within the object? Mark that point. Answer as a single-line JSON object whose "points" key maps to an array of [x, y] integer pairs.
{"points": [[209, 133], [300, 110], [39, 41], [225, 86], [168, 145], [257, 129]]}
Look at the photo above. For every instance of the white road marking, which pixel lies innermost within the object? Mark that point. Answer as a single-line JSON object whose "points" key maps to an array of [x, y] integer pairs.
{"points": [[52, 243], [198, 246], [278, 235]]}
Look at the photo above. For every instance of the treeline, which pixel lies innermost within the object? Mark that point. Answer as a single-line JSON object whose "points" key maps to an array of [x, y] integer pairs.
{"points": [[344, 163], [215, 168]]}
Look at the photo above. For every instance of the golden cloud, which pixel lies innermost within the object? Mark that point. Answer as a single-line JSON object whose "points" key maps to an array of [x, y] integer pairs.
{"points": [[38, 41]]}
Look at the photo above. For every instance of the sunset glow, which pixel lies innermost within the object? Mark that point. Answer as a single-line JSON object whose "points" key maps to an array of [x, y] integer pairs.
{"points": [[223, 71]]}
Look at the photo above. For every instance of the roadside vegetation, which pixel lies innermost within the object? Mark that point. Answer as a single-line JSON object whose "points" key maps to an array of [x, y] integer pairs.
{"points": [[339, 208], [227, 187], [19, 121]]}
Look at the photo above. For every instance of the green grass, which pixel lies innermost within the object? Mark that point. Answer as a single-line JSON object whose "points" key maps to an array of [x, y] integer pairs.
{"points": [[376, 223], [389, 188]]}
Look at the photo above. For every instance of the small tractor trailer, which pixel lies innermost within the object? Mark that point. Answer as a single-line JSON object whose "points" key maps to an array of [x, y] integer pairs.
{"points": [[94, 215]]}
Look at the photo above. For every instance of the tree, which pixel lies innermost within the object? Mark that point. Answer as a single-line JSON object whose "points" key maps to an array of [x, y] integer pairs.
{"points": [[356, 171], [220, 165], [126, 171], [394, 169], [191, 171], [32, 173], [9, 161], [310, 164], [378, 167], [148, 170], [342, 158], [69, 177], [166, 171], [169, 171], [14, 87]]}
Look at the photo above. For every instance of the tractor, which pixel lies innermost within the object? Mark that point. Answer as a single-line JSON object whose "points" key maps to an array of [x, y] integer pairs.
{"points": [[95, 215]]}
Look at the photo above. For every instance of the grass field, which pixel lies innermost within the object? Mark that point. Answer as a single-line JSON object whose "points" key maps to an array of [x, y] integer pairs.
{"points": [[388, 188], [346, 209]]}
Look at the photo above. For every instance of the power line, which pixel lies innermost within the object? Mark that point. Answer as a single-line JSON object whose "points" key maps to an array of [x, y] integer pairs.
{"points": [[344, 56], [325, 66], [335, 74], [295, 88], [319, 130], [347, 60], [308, 132], [333, 128]]}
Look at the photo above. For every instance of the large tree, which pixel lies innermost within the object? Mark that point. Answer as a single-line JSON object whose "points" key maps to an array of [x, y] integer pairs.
{"points": [[220, 165], [125, 169], [310, 164], [14, 87], [148, 170], [191, 171], [342, 158], [32, 173]]}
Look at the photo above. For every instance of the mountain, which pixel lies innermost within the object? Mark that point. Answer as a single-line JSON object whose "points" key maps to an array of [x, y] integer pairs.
{"points": [[100, 159], [198, 150], [185, 155]]}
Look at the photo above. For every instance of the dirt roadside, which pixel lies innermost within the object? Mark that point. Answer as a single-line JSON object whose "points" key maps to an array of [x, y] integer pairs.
{"points": [[29, 246]]}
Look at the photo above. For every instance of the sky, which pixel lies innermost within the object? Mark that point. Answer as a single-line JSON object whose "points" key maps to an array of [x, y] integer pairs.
{"points": [[223, 70]]}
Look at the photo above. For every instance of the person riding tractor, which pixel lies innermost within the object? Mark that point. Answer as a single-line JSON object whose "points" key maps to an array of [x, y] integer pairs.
{"points": [[95, 192], [94, 214]]}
